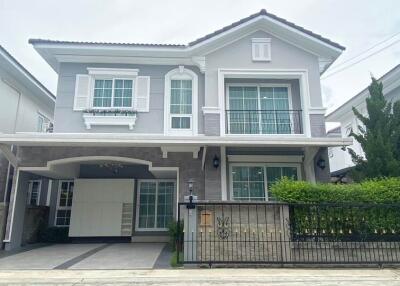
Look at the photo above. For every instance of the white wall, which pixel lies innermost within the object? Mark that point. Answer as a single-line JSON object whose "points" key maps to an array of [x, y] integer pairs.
{"points": [[97, 206]]}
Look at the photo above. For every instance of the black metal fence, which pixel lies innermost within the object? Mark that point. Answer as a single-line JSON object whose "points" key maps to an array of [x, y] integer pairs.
{"points": [[278, 233], [264, 121]]}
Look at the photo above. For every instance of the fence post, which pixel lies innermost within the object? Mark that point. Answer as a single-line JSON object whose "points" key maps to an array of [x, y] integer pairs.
{"points": [[285, 234], [190, 234]]}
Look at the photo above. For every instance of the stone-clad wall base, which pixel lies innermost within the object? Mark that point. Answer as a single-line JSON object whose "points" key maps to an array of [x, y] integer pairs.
{"points": [[36, 218], [3, 219]]}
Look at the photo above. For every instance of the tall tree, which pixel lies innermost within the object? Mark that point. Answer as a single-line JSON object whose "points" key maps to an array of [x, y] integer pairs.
{"points": [[379, 136]]}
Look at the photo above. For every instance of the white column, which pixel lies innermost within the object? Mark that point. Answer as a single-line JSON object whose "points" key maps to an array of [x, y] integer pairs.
{"points": [[224, 191]]}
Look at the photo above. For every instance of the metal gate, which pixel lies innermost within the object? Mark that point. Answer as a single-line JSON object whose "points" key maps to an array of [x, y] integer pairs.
{"points": [[278, 233]]}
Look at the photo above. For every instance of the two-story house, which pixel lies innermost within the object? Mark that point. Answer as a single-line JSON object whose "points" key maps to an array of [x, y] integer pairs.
{"points": [[339, 159], [231, 112], [26, 105]]}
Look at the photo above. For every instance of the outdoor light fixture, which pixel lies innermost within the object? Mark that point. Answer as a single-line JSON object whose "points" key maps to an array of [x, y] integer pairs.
{"points": [[321, 163], [190, 205], [216, 162]]}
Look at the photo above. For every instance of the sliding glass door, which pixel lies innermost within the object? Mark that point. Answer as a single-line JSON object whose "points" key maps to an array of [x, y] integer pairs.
{"points": [[252, 181], [259, 110]]}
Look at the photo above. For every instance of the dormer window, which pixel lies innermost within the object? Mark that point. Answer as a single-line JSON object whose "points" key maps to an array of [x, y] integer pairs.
{"points": [[261, 49]]}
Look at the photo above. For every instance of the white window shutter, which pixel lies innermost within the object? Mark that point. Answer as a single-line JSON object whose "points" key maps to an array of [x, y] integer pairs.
{"points": [[142, 96], [82, 92]]}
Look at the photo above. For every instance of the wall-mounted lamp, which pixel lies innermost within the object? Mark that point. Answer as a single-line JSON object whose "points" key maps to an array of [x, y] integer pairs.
{"points": [[321, 163], [216, 162]]}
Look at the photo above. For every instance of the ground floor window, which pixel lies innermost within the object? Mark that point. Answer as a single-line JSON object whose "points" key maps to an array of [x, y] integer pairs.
{"points": [[34, 190], [252, 181], [155, 204], [64, 203]]}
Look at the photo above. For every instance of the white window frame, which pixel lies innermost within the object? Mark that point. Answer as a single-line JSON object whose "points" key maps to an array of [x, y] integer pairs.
{"points": [[113, 78], [30, 192], [58, 207], [180, 73], [261, 44], [45, 121], [155, 214], [265, 166], [260, 85]]}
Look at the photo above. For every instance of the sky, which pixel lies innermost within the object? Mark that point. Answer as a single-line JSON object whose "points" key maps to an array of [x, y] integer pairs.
{"points": [[356, 24]]}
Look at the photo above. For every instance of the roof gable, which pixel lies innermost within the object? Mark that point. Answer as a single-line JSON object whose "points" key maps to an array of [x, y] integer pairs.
{"points": [[326, 50]]}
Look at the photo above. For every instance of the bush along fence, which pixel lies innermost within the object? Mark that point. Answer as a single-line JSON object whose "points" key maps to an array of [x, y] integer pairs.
{"points": [[313, 224]]}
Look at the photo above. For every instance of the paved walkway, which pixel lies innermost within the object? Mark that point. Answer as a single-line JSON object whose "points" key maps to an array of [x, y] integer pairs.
{"points": [[197, 277], [85, 256]]}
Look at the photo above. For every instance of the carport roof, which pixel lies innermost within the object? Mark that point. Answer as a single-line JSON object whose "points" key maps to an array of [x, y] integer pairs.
{"points": [[129, 140]]}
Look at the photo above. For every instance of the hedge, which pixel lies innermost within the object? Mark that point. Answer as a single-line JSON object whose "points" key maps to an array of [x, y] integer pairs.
{"points": [[372, 191], [363, 211]]}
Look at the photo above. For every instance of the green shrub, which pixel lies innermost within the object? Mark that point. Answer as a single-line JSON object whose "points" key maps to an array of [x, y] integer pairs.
{"points": [[175, 231], [342, 211], [55, 235], [174, 259], [372, 191]]}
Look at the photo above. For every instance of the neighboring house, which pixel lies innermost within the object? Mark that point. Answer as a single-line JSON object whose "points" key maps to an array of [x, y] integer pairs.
{"points": [[25, 106], [232, 112], [339, 158]]}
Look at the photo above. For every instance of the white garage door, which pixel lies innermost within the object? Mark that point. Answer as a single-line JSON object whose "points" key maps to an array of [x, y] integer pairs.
{"points": [[101, 207]]}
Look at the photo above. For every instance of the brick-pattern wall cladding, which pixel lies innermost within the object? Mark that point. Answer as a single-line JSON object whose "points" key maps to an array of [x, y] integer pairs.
{"points": [[189, 167], [239, 233], [36, 218]]}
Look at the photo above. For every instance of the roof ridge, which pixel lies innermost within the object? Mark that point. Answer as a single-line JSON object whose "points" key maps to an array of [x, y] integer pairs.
{"points": [[262, 12]]}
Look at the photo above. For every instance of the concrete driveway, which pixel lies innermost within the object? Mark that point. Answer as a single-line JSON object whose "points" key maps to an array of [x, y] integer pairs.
{"points": [[85, 256]]}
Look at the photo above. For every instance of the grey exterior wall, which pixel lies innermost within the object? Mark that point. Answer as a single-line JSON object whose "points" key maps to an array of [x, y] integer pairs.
{"points": [[238, 55], [212, 175], [67, 120], [317, 124], [212, 124], [322, 175]]}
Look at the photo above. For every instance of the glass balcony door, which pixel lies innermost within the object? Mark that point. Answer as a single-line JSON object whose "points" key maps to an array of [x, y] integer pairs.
{"points": [[259, 110]]}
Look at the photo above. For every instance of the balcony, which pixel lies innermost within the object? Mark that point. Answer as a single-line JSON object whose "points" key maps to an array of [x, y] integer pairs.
{"points": [[263, 122]]}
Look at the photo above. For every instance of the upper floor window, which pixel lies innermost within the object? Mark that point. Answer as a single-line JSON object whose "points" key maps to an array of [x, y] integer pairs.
{"points": [[261, 109], [43, 123], [181, 102], [113, 93]]}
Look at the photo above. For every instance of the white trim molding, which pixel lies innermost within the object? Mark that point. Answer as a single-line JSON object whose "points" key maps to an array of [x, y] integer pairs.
{"points": [[180, 149], [266, 158], [181, 73], [109, 120], [317, 110], [113, 72], [210, 110]]}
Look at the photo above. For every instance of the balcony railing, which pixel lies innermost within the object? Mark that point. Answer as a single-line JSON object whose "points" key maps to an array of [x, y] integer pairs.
{"points": [[263, 122]]}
